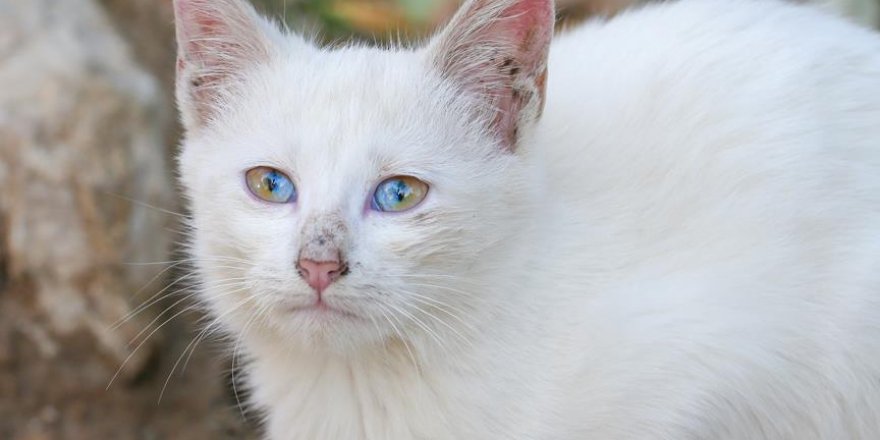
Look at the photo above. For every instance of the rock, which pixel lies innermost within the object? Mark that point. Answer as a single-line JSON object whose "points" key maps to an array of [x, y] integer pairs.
{"points": [[81, 136], [85, 136]]}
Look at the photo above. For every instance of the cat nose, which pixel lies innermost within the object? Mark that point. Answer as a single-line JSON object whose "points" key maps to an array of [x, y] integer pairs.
{"points": [[320, 274]]}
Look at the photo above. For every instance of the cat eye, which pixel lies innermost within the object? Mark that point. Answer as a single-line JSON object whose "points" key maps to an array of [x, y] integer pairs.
{"points": [[270, 185], [399, 193]]}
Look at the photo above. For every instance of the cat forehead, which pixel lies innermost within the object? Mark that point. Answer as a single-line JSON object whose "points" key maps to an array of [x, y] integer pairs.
{"points": [[349, 101], [348, 79]]}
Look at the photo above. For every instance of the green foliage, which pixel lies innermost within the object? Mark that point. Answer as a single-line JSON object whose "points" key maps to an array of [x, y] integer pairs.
{"points": [[341, 19]]}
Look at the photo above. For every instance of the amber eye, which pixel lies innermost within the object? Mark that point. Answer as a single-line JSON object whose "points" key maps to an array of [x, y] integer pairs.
{"points": [[399, 193], [270, 185]]}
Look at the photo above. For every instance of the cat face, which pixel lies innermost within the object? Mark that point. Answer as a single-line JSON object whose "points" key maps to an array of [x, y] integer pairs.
{"points": [[325, 265]]}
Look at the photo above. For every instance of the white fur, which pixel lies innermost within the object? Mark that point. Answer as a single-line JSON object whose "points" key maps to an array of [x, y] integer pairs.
{"points": [[686, 246]]}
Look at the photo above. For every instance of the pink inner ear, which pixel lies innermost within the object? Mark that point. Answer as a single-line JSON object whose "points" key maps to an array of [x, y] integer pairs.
{"points": [[196, 22], [529, 26], [217, 39], [514, 42]]}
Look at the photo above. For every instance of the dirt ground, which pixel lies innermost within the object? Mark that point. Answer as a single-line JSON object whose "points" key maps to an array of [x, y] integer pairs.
{"points": [[197, 404]]}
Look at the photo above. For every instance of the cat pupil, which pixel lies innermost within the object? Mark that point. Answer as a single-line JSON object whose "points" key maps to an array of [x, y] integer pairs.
{"points": [[401, 191]]}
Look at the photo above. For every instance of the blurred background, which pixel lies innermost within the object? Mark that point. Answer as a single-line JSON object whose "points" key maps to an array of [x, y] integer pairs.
{"points": [[98, 336]]}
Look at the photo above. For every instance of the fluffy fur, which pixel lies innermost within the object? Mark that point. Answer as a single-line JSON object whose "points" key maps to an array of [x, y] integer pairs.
{"points": [[684, 245]]}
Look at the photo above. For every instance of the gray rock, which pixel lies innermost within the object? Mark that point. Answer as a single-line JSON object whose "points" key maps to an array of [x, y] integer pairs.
{"points": [[81, 136]]}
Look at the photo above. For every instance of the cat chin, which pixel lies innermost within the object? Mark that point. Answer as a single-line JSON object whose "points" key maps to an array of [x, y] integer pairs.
{"points": [[317, 329], [324, 312]]}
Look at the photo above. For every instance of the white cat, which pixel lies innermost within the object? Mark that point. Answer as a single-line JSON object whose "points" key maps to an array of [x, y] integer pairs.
{"points": [[683, 244]]}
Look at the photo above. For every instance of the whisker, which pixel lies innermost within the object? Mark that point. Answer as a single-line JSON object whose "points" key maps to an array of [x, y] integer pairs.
{"points": [[141, 344], [179, 358], [157, 297], [445, 324], [421, 325], [172, 306], [150, 282], [190, 260], [436, 303], [147, 338], [402, 339], [234, 357], [147, 205]]}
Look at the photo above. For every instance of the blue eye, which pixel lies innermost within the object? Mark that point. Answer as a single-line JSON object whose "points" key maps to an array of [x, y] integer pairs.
{"points": [[399, 194], [270, 185]]}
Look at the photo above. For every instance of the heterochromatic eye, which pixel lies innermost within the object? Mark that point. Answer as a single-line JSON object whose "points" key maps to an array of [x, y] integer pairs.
{"points": [[399, 194], [270, 185]]}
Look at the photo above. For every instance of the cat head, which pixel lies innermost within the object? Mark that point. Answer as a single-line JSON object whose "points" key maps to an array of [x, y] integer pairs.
{"points": [[352, 196]]}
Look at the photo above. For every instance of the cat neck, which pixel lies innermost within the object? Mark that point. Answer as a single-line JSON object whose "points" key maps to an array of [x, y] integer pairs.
{"points": [[400, 390]]}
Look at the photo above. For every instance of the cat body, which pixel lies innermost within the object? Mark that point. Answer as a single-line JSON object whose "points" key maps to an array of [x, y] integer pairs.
{"points": [[678, 239]]}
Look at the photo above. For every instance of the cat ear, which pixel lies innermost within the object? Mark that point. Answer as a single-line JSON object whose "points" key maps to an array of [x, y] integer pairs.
{"points": [[497, 50], [217, 40]]}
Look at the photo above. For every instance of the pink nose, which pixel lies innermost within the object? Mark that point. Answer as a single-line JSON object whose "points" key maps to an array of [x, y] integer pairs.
{"points": [[321, 274]]}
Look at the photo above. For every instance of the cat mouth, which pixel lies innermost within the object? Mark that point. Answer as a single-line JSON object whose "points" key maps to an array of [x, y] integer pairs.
{"points": [[322, 309]]}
